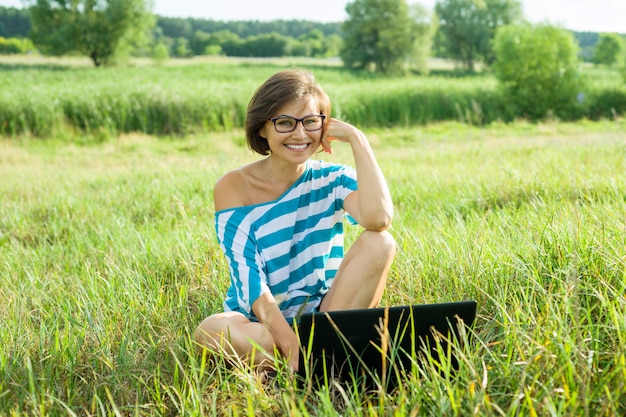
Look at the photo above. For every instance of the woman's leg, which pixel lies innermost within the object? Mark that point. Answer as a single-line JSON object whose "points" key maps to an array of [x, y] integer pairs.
{"points": [[361, 278], [236, 336]]}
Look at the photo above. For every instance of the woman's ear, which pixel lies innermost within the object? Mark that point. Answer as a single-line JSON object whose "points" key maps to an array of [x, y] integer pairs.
{"points": [[262, 132]]}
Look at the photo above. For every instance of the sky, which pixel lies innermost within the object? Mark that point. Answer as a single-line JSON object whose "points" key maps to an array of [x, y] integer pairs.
{"points": [[578, 15]]}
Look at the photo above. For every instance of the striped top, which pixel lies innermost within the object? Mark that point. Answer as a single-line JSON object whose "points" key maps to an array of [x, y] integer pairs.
{"points": [[290, 247]]}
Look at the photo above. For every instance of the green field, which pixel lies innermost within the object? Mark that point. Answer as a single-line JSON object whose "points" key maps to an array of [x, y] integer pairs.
{"points": [[42, 98], [108, 260]]}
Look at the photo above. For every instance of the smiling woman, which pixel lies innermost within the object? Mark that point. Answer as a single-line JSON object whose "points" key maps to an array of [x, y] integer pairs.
{"points": [[279, 224]]}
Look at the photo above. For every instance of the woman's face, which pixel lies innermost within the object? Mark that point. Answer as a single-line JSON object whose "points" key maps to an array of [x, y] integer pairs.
{"points": [[303, 141]]}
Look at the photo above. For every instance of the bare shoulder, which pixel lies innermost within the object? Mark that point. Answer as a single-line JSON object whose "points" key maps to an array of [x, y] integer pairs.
{"points": [[238, 188], [229, 190]]}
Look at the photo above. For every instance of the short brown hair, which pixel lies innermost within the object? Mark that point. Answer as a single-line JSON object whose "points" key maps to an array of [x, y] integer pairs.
{"points": [[281, 88]]}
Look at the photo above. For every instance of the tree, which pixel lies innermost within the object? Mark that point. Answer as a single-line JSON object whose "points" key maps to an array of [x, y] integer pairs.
{"points": [[230, 42], [425, 27], [332, 45], [160, 53], [313, 43], [608, 49], [266, 45], [180, 48], [538, 68], [96, 28], [14, 23], [467, 27], [378, 33]]}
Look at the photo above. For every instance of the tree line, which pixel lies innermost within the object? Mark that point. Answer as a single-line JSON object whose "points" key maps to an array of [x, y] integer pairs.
{"points": [[181, 37], [451, 32]]}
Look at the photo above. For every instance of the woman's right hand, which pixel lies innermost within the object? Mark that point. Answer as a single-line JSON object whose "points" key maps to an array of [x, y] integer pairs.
{"points": [[290, 349], [285, 339]]}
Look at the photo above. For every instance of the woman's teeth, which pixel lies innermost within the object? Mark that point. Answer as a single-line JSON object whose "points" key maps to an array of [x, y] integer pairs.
{"points": [[297, 147]]}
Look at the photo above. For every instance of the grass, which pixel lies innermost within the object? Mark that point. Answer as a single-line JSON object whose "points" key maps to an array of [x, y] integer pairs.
{"points": [[48, 98], [108, 261]]}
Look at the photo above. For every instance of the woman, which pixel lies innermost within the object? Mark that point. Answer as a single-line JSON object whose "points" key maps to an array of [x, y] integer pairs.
{"points": [[279, 223]]}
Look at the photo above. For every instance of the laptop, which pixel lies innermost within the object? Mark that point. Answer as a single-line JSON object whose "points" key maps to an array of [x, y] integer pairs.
{"points": [[353, 345]]}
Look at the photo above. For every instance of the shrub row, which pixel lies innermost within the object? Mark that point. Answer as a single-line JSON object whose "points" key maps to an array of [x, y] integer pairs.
{"points": [[12, 46], [194, 98]]}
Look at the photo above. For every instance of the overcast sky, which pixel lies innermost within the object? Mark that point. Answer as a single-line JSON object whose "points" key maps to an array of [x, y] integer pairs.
{"points": [[579, 15]]}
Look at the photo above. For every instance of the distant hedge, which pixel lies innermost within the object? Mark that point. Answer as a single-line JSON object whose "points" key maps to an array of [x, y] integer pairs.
{"points": [[178, 100], [13, 46]]}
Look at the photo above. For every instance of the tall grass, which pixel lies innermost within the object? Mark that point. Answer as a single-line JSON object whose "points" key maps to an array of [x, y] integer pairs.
{"points": [[108, 261], [44, 101]]}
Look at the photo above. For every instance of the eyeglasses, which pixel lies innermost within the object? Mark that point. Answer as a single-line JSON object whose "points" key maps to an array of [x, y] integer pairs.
{"points": [[310, 123]]}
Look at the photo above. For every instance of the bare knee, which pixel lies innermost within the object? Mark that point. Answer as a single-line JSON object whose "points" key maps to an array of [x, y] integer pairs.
{"points": [[232, 335], [212, 332], [380, 243], [361, 278], [207, 331]]}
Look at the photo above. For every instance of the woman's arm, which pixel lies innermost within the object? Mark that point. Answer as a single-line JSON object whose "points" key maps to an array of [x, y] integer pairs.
{"points": [[268, 313], [371, 205]]}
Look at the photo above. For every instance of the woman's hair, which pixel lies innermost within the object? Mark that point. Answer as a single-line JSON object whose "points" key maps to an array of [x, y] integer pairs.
{"points": [[280, 89]]}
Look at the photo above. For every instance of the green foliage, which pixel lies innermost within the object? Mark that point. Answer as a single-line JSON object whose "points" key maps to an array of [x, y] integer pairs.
{"points": [[419, 101], [174, 27], [468, 27], [332, 46], [213, 95], [379, 33], [181, 48], [225, 40], [312, 44], [587, 42], [16, 46], [537, 67], [254, 38], [425, 26], [14, 23], [212, 50], [95, 28], [158, 100], [160, 53], [265, 45], [609, 49]]}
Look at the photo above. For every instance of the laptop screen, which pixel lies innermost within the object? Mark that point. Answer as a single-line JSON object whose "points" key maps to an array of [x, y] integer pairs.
{"points": [[377, 344]]}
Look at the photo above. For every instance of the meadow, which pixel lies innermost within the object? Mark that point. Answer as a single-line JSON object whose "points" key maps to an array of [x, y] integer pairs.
{"points": [[50, 97], [109, 260], [108, 256]]}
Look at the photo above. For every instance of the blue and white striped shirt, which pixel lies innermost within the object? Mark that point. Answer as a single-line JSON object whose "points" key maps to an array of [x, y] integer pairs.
{"points": [[290, 247]]}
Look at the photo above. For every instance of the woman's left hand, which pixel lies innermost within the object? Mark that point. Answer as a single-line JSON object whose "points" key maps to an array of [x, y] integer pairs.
{"points": [[338, 130]]}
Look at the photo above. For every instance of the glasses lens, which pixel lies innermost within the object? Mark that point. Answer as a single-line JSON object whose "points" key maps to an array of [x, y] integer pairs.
{"points": [[285, 124], [312, 123]]}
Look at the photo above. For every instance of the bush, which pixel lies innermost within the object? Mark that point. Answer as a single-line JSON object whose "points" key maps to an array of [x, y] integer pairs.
{"points": [[12, 46], [606, 104], [160, 53], [537, 67], [608, 50]]}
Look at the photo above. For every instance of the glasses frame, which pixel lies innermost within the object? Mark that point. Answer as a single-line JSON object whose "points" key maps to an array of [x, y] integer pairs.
{"points": [[275, 119]]}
